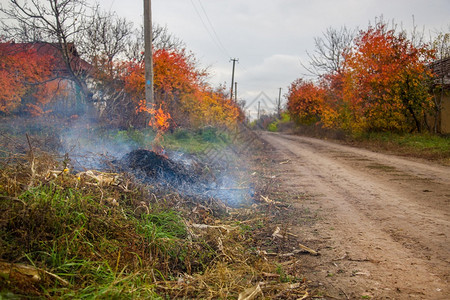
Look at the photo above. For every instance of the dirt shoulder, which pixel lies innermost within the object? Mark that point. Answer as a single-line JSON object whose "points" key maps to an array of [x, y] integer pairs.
{"points": [[380, 222]]}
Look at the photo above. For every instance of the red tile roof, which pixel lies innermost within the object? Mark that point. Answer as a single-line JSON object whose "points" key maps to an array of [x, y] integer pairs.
{"points": [[79, 65]]}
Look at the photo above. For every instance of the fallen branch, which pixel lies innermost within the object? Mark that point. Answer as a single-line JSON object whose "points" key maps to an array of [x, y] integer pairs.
{"points": [[32, 162], [277, 234], [205, 226], [272, 202], [250, 293], [307, 249], [30, 271], [100, 178], [306, 295], [270, 275]]}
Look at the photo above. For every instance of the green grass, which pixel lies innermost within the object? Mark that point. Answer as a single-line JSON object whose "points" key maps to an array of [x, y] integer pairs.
{"points": [[273, 127], [101, 251], [51, 136], [425, 142], [190, 141], [428, 146], [196, 141], [284, 119], [418, 142]]}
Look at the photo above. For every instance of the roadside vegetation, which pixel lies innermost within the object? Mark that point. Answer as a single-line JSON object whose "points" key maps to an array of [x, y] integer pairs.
{"points": [[76, 223], [76, 220], [373, 88], [376, 80], [105, 234], [428, 146], [425, 145]]}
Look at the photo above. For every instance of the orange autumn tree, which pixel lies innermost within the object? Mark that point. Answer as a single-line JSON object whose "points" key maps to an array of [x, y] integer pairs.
{"points": [[306, 101], [385, 82], [44, 94], [23, 73], [180, 87], [174, 74], [209, 106]]}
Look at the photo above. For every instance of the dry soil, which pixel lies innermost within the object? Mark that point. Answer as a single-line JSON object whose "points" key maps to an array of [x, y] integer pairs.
{"points": [[381, 222]]}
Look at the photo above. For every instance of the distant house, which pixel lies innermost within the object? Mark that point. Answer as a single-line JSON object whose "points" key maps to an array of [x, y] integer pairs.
{"points": [[63, 67], [67, 67], [442, 70]]}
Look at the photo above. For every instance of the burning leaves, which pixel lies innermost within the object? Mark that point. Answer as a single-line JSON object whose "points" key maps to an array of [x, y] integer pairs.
{"points": [[160, 119], [159, 122]]}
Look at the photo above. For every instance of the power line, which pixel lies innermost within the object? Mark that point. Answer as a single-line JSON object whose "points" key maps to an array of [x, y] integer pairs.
{"points": [[207, 30], [213, 30]]}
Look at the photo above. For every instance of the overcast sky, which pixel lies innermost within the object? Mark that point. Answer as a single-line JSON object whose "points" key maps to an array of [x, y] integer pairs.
{"points": [[270, 38]]}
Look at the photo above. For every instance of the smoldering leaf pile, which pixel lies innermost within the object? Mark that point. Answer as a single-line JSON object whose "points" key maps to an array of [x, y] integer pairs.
{"points": [[185, 175]]}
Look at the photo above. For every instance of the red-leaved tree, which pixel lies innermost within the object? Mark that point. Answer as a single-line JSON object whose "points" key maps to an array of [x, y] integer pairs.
{"points": [[385, 82], [306, 101], [23, 73], [179, 88]]}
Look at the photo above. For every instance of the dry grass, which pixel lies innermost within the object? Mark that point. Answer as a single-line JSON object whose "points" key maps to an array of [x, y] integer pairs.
{"points": [[116, 238]]}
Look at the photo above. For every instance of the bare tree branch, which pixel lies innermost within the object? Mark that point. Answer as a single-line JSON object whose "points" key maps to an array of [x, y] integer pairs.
{"points": [[328, 55]]}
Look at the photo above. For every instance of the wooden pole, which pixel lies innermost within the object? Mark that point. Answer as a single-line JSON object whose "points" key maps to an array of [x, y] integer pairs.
{"points": [[279, 104], [234, 60], [148, 58]]}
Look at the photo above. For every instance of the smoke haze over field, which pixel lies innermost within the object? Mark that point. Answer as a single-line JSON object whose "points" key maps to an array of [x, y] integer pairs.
{"points": [[271, 38], [91, 148]]}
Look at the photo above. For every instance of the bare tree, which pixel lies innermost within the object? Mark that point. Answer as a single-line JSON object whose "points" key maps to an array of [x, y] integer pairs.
{"points": [[107, 36], [328, 55], [417, 36], [57, 22], [441, 44], [162, 39]]}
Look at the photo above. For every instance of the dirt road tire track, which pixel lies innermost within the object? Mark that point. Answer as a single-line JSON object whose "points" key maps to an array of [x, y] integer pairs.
{"points": [[383, 222]]}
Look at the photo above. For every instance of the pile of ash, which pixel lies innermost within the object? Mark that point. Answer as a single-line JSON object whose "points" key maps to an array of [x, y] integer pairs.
{"points": [[184, 174], [150, 166]]}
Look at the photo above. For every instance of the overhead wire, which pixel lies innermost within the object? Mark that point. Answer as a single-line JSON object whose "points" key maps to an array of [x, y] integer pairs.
{"points": [[209, 27], [217, 38], [213, 29], [211, 35]]}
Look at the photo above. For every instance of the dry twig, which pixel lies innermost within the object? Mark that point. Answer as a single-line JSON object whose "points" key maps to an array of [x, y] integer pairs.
{"points": [[32, 163], [307, 249]]}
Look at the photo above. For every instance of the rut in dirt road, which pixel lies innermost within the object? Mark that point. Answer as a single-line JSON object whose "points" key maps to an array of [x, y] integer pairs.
{"points": [[387, 218]]}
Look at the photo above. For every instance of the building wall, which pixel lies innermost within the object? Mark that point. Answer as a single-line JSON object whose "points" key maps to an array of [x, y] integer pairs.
{"points": [[441, 69], [445, 115]]}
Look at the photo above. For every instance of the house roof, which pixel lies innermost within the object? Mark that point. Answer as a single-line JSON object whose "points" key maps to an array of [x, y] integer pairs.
{"points": [[442, 69], [79, 65]]}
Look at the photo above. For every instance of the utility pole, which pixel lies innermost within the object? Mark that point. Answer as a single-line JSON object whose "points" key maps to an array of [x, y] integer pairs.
{"points": [[234, 60], [279, 103], [259, 103], [235, 92], [148, 59]]}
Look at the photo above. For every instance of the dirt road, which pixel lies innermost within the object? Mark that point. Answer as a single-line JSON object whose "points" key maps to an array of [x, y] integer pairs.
{"points": [[381, 223]]}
